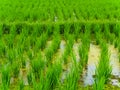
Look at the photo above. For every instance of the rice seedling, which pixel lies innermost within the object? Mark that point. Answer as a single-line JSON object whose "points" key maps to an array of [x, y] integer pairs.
{"points": [[5, 77], [112, 38], [83, 50], [41, 84], [77, 30], [103, 71], [56, 42], [23, 62], [98, 33], [99, 85], [13, 32], [2, 48], [30, 78], [21, 84], [68, 48], [1, 31], [11, 55], [37, 65], [49, 30], [15, 69], [30, 54], [53, 76], [66, 31], [71, 81], [49, 54], [107, 32], [43, 40], [32, 41], [116, 30]]}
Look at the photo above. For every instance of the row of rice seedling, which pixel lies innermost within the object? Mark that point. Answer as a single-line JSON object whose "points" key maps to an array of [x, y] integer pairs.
{"points": [[84, 48], [52, 49], [103, 71], [65, 10]]}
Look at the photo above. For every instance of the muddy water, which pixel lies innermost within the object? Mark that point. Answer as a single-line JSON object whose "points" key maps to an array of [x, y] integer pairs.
{"points": [[114, 62], [93, 58]]}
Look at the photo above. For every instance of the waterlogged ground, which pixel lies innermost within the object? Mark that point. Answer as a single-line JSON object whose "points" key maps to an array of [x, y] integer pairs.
{"points": [[89, 72]]}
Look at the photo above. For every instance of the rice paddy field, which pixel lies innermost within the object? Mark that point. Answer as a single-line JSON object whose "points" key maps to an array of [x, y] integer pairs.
{"points": [[60, 45]]}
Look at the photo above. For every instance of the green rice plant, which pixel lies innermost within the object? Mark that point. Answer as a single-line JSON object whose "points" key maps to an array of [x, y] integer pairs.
{"points": [[2, 48], [103, 71], [68, 49], [53, 76], [1, 31], [112, 38], [11, 55], [107, 32], [25, 32], [35, 32], [104, 60], [5, 77], [32, 41], [83, 53], [49, 30], [41, 84], [26, 44], [37, 65], [22, 38], [65, 56], [70, 41], [84, 48], [98, 36], [23, 61], [41, 41], [30, 54], [35, 84], [19, 48], [77, 28], [21, 84], [13, 31], [99, 85], [49, 54], [10, 40], [15, 69], [56, 42], [30, 78], [116, 30], [117, 43], [71, 81], [66, 31]]}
